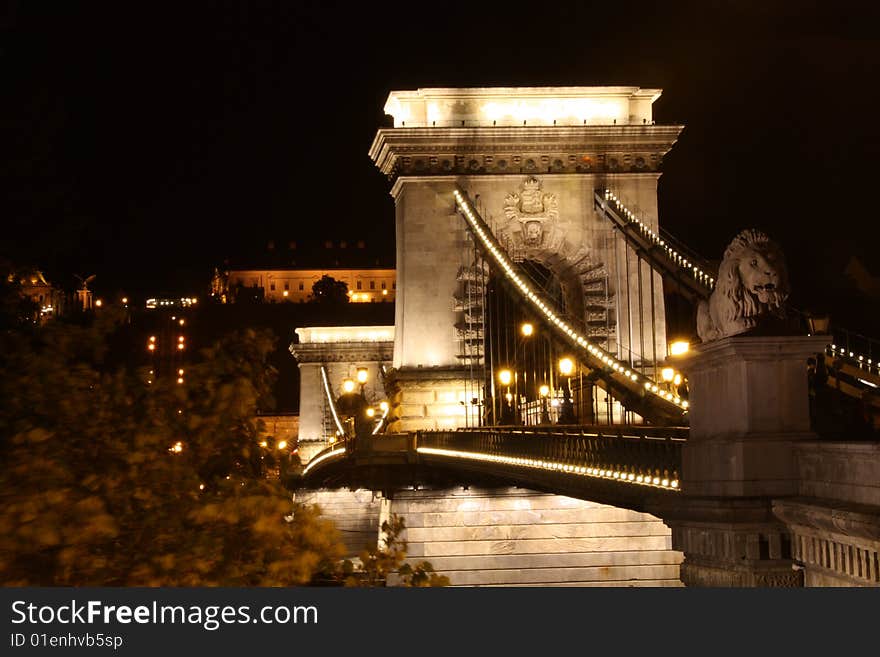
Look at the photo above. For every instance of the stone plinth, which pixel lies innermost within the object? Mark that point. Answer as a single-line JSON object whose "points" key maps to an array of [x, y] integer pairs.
{"points": [[750, 403], [431, 398], [749, 412]]}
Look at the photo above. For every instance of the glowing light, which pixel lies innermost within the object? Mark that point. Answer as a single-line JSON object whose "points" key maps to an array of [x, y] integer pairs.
{"points": [[99, 303], [177, 448], [282, 444], [180, 372], [264, 443], [527, 329], [285, 293], [566, 366], [371, 412], [347, 385], [544, 390], [180, 338], [667, 373], [336, 451], [151, 347], [180, 379], [679, 347], [124, 299], [362, 375], [504, 376], [152, 338], [181, 322], [383, 406], [676, 380], [180, 346]]}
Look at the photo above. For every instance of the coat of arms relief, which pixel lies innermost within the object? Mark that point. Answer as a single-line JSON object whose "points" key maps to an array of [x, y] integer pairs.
{"points": [[531, 213]]}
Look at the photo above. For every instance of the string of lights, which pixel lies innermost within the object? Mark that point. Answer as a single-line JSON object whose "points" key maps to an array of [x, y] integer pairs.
{"points": [[511, 271], [671, 253], [323, 456], [536, 464], [867, 363]]}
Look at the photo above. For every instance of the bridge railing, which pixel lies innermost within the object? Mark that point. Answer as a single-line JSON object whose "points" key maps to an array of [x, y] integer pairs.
{"points": [[640, 457]]}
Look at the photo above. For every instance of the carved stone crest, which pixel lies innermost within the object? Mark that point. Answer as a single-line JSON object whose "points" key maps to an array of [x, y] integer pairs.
{"points": [[530, 209]]}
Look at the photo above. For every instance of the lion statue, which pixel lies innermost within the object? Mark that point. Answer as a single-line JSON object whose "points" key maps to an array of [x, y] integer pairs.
{"points": [[751, 289]]}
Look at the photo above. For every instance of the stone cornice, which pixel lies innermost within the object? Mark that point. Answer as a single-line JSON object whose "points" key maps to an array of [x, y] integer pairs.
{"points": [[343, 352], [463, 180], [521, 149]]}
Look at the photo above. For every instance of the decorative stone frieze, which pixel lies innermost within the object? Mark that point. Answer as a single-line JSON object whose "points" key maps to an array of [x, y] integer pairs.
{"points": [[522, 150]]}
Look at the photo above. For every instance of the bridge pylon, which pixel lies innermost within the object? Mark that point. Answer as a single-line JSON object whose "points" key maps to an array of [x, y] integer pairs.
{"points": [[531, 159]]}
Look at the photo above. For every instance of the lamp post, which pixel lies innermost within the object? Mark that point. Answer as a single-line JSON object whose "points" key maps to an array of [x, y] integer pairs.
{"points": [[362, 375], [526, 330], [505, 377], [566, 366], [544, 392]]}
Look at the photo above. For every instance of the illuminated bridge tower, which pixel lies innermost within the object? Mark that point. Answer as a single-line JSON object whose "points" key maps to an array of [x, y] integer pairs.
{"points": [[531, 159]]}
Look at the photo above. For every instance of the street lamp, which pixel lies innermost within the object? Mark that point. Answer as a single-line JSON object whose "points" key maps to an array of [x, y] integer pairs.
{"points": [[566, 367], [527, 329], [347, 386], [362, 376], [544, 391], [505, 377]]}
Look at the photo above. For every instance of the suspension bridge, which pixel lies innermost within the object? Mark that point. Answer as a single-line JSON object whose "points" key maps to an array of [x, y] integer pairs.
{"points": [[530, 347]]}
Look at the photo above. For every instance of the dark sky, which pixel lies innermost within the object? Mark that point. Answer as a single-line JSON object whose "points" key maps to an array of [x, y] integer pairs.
{"points": [[145, 142]]}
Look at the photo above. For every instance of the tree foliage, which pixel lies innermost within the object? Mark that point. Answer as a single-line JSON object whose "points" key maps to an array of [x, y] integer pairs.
{"points": [[111, 480], [387, 562], [329, 290]]}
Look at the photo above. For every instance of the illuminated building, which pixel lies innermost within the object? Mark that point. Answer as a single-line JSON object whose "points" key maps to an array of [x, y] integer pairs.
{"points": [[286, 273], [295, 285]]}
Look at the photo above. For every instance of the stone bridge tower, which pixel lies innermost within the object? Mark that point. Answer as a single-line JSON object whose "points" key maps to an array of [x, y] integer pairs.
{"points": [[531, 158]]}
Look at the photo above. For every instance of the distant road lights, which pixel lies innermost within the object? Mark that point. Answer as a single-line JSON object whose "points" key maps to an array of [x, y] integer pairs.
{"points": [[99, 303], [180, 372], [347, 385], [182, 321], [679, 347], [527, 329], [124, 299], [180, 379]]}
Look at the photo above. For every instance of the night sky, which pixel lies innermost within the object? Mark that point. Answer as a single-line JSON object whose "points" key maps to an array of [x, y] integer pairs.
{"points": [[146, 142]]}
